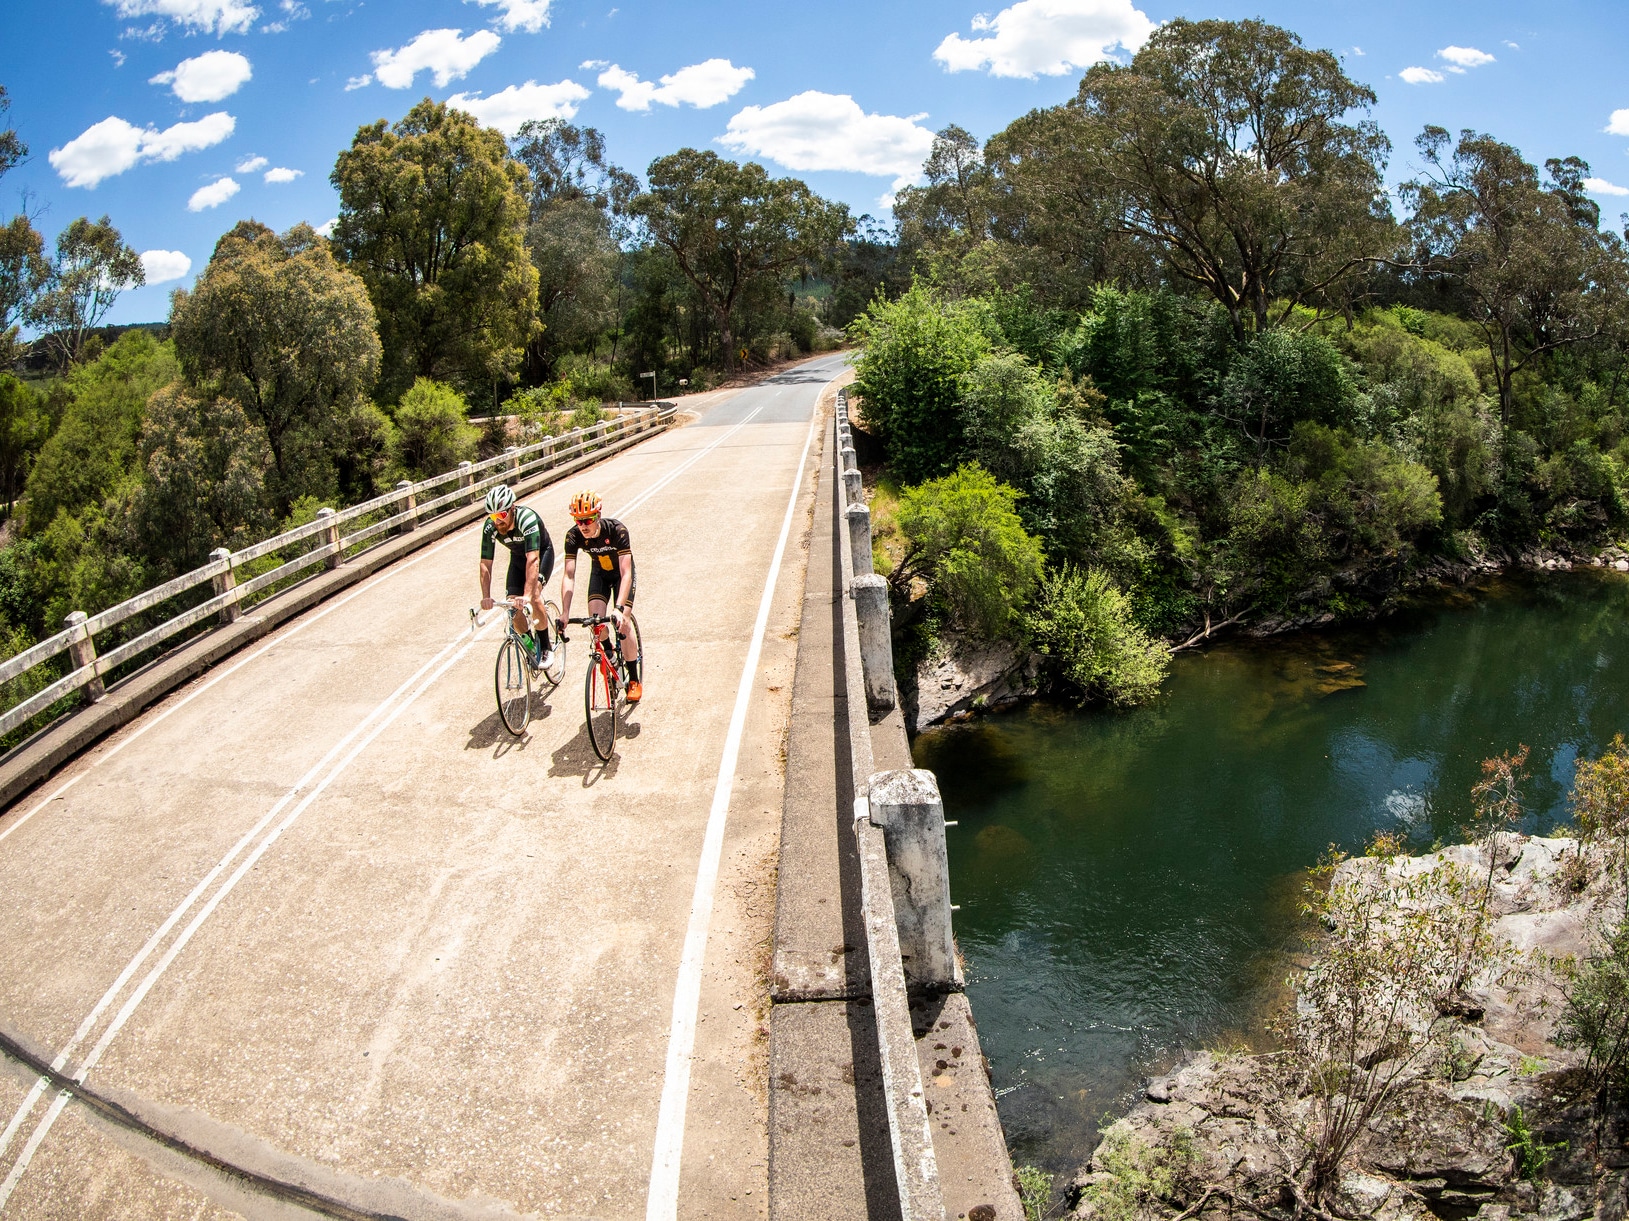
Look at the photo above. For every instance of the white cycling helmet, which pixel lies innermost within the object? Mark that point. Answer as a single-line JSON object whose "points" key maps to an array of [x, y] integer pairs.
{"points": [[500, 499]]}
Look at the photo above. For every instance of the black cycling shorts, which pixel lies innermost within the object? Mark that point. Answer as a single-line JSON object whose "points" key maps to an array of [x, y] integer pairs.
{"points": [[515, 584], [603, 584]]}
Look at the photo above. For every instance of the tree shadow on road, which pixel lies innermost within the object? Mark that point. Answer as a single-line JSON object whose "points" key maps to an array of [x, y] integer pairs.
{"points": [[492, 732]]}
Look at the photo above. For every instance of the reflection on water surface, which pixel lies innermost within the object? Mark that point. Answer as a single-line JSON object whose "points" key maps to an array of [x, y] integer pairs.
{"points": [[1128, 883]]}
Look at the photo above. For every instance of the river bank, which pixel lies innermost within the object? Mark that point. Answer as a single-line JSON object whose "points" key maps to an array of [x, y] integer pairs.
{"points": [[1484, 1116], [967, 675]]}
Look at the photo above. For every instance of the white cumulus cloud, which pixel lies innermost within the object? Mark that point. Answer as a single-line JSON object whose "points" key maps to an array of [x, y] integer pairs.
{"points": [[281, 174], [1600, 186], [206, 78], [509, 108], [250, 164], [528, 15], [1618, 124], [1046, 37], [700, 85], [1422, 76], [326, 229], [213, 195], [446, 54], [204, 16], [829, 131], [113, 146], [1461, 58], [162, 266]]}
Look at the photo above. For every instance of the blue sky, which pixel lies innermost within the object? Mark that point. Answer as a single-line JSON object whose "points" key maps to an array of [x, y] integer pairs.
{"points": [[180, 117]]}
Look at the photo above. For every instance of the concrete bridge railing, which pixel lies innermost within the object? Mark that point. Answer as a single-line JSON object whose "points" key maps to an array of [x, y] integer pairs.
{"points": [[899, 828], [329, 542]]}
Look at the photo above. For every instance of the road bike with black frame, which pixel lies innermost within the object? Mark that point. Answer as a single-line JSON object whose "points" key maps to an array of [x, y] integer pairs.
{"points": [[605, 688], [515, 671]]}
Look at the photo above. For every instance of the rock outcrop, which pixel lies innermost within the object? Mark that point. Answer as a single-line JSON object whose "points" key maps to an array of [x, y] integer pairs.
{"points": [[968, 674], [1225, 1135]]}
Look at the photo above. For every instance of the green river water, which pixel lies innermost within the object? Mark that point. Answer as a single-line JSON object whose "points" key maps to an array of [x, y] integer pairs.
{"points": [[1128, 882]]}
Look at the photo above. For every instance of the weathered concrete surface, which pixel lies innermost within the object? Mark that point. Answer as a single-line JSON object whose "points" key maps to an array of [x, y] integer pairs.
{"points": [[455, 966]]}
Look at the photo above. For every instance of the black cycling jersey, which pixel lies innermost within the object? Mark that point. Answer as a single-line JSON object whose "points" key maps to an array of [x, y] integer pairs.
{"points": [[603, 548], [526, 533]]}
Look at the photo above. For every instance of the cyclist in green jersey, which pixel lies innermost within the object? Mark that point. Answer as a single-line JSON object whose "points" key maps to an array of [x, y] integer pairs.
{"points": [[531, 561]]}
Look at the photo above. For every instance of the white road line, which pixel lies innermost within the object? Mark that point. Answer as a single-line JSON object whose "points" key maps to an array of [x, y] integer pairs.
{"points": [[208, 909], [130, 1005], [662, 1200], [175, 916]]}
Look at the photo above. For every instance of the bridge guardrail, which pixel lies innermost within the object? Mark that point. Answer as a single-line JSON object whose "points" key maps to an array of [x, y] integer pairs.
{"points": [[869, 684], [399, 510]]}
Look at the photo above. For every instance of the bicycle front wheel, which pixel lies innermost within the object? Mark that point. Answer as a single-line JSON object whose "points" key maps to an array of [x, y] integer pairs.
{"points": [[556, 669], [512, 679], [600, 695]]}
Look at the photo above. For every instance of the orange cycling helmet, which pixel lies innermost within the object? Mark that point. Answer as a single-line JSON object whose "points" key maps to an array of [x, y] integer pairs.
{"points": [[585, 504]]}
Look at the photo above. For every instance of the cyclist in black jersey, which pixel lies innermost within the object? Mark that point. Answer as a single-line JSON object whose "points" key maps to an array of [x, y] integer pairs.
{"points": [[611, 576], [531, 562]]}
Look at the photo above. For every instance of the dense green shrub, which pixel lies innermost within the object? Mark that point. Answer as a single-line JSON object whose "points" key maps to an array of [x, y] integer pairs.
{"points": [[908, 379], [1595, 1014], [433, 434], [965, 539], [1085, 622]]}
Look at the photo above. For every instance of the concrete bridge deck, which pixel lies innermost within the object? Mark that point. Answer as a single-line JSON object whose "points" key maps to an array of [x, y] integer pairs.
{"points": [[317, 923]]}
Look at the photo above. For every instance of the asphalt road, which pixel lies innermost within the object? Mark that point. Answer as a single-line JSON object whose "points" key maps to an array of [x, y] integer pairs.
{"points": [[318, 918]]}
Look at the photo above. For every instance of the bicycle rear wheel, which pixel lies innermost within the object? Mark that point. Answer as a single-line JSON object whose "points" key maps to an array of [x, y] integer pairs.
{"points": [[600, 695], [512, 680], [556, 669]]}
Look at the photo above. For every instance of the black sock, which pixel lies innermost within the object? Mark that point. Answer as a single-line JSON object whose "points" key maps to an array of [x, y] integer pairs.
{"points": [[541, 636], [633, 670]]}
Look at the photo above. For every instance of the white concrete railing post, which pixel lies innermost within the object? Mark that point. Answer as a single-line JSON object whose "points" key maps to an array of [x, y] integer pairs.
{"points": [[407, 502], [907, 806], [876, 643], [859, 537], [82, 652], [225, 582], [466, 479], [330, 537], [851, 460], [852, 487]]}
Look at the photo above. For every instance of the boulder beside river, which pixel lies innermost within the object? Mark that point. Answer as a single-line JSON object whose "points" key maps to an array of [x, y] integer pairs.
{"points": [[1223, 1134], [968, 673]]}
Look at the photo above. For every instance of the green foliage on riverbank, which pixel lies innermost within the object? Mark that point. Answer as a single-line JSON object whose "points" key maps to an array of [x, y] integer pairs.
{"points": [[1216, 367]]}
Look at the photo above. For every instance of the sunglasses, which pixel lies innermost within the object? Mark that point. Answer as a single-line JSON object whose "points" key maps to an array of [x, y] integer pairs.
{"points": [[584, 521]]}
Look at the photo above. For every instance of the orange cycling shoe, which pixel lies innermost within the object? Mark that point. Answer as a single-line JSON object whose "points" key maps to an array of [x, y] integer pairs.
{"points": [[636, 691]]}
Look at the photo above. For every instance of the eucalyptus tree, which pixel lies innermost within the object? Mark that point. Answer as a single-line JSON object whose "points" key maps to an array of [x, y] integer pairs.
{"points": [[276, 324], [432, 212], [1527, 261], [1230, 149], [90, 267], [23, 265], [732, 229]]}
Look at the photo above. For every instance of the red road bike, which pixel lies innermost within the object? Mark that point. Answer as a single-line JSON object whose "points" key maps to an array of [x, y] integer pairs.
{"points": [[605, 688]]}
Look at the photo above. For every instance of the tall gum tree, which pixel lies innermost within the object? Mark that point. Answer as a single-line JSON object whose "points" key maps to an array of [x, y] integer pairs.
{"points": [[279, 326], [1530, 265], [432, 212], [731, 228], [1226, 146]]}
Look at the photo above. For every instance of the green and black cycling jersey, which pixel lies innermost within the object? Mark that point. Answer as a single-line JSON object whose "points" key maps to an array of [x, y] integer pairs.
{"points": [[526, 534]]}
